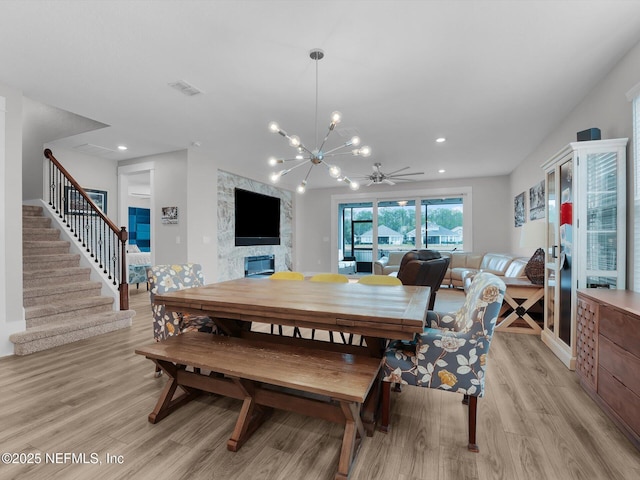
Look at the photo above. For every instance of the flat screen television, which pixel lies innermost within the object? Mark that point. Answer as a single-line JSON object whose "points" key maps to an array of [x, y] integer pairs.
{"points": [[257, 218]]}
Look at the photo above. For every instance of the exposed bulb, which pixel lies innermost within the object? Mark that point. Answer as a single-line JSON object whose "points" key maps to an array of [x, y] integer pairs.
{"points": [[334, 171], [294, 141], [275, 176], [274, 127], [354, 185], [299, 157], [336, 117], [365, 151], [273, 161], [302, 187], [355, 141]]}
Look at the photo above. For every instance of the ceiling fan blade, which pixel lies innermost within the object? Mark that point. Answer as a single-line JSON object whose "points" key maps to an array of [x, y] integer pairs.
{"points": [[387, 181], [396, 171], [405, 174]]}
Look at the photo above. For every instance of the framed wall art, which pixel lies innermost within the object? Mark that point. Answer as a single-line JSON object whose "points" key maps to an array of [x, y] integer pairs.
{"points": [[75, 204], [536, 201], [518, 210], [169, 215]]}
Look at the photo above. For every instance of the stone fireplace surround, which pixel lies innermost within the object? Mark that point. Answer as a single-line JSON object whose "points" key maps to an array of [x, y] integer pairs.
{"points": [[231, 259]]}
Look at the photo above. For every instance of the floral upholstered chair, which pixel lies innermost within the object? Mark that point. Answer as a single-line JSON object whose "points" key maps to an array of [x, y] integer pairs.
{"points": [[451, 354], [169, 278]]}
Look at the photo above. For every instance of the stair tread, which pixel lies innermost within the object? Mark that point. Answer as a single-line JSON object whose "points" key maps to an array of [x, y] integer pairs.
{"points": [[58, 272], [44, 243], [55, 308], [57, 289], [56, 327], [51, 258]]}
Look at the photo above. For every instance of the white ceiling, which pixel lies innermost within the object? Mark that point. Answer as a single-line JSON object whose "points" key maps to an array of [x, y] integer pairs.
{"points": [[493, 77]]}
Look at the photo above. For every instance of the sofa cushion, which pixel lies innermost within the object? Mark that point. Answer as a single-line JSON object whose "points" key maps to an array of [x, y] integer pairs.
{"points": [[516, 267], [496, 263]]}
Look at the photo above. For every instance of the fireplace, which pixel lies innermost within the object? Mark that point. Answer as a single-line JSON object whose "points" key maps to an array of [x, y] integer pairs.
{"points": [[259, 265]]}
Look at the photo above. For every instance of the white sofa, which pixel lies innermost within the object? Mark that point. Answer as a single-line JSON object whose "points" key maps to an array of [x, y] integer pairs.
{"points": [[463, 264], [388, 264]]}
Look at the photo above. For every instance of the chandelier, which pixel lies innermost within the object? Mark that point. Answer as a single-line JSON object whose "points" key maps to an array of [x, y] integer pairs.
{"points": [[317, 155]]}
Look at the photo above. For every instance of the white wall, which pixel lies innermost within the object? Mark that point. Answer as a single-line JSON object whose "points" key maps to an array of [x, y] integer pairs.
{"points": [[11, 310], [492, 216], [93, 173], [605, 107], [201, 214], [170, 189], [41, 124]]}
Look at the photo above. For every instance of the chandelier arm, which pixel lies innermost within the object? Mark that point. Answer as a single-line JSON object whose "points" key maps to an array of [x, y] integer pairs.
{"points": [[309, 172], [336, 149], [303, 147], [293, 159], [333, 153], [301, 163], [326, 136]]}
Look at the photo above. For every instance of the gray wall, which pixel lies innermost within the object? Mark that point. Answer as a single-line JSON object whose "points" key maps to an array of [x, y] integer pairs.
{"points": [[605, 107], [492, 216]]}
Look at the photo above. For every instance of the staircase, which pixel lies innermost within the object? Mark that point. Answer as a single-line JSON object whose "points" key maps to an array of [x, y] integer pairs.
{"points": [[62, 305]]}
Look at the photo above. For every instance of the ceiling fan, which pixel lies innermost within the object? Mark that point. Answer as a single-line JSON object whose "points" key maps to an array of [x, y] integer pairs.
{"points": [[378, 176]]}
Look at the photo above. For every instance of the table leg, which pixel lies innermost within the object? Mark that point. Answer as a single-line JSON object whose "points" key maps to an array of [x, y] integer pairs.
{"points": [[166, 403]]}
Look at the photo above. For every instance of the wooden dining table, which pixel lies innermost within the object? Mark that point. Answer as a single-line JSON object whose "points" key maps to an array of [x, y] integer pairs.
{"points": [[377, 313]]}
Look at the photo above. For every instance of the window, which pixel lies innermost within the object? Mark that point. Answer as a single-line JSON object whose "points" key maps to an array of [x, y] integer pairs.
{"points": [[442, 221], [369, 228]]}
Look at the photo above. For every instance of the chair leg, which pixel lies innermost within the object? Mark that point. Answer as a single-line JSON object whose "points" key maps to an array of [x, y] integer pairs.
{"points": [[473, 405], [158, 371], [386, 407]]}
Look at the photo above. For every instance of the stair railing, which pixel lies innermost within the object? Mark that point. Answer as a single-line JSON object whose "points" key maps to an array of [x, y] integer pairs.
{"points": [[103, 240]]}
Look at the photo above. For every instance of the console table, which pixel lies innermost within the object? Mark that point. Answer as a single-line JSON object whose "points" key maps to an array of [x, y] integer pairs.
{"points": [[608, 354]]}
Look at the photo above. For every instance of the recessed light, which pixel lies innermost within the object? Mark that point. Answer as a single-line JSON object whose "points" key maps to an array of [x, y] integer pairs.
{"points": [[122, 147], [441, 139], [442, 170]]}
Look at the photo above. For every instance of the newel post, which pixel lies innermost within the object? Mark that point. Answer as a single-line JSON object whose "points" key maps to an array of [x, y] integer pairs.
{"points": [[124, 285]]}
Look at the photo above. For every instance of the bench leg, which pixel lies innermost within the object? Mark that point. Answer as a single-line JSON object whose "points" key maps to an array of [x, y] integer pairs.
{"points": [[166, 403], [351, 440], [250, 418]]}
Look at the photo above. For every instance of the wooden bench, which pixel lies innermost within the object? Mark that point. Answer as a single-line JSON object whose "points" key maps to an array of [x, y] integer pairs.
{"points": [[319, 383]]}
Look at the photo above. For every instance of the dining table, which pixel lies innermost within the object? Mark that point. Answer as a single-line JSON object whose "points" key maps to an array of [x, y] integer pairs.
{"points": [[378, 313]]}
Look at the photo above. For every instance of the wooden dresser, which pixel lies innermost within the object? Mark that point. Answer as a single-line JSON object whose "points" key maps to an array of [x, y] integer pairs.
{"points": [[608, 354]]}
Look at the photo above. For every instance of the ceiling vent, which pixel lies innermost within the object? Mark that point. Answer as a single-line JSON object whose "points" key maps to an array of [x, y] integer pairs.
{"points": [[185, 88]]}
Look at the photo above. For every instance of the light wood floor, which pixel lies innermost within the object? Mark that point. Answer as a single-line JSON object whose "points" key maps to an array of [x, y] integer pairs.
{"points": [[93, 396]]}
